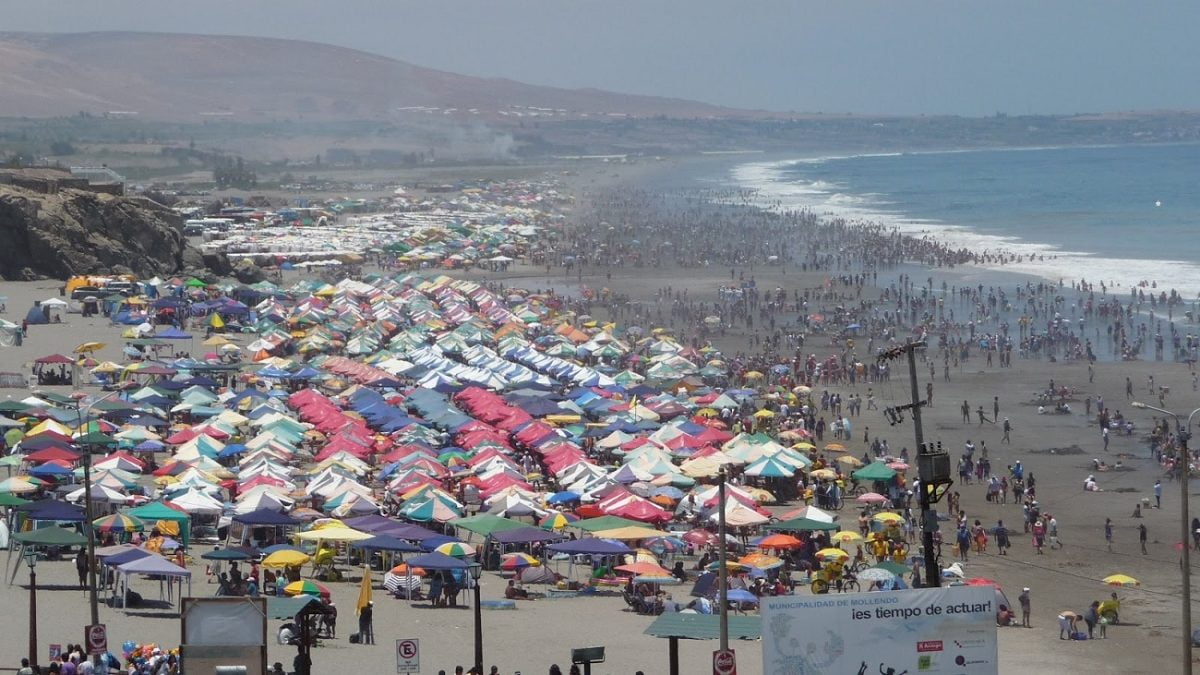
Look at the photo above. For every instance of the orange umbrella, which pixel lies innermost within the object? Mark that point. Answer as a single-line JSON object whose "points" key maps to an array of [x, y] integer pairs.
{"points": [[778, 541], [644, 569], [402, 569]]}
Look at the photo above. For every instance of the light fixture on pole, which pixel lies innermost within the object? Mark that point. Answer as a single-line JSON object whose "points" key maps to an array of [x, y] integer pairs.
{"points": [[1183, 432], [476, 570], [31, 560]]}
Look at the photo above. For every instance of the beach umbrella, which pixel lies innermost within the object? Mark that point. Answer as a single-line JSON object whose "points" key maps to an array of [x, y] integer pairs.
{"points": [[665, 545], [286, 558], [516, 561], [699, 537], [741, 595], [850, 461], [305, 587], [779, 541], [900, 570], [456, 549], [563, 498], [557, 521], [871, 498], [834, 447], [226, 554], [888, 517], [898, 466], [831, 553], [875, 574], [846, 537], [823, 474], [89, 347], [658, 581], [761, 561], [1121, 580], [118, 522], [403, 570]]}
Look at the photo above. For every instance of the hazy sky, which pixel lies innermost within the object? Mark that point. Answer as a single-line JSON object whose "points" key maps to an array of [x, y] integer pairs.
{"points": [[868, 56]]}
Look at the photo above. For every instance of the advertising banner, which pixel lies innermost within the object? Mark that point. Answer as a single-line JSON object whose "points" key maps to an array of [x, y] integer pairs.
{"points": [[941, 631]]}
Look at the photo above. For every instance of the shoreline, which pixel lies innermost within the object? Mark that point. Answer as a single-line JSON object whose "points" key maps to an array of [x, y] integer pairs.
{"points": [[800, 194]]}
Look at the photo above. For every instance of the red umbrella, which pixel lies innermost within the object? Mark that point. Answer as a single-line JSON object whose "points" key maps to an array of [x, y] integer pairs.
{"points": [[699, 537]]}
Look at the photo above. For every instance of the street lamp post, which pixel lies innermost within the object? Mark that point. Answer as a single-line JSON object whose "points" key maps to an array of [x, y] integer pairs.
{"points": [[475, 569], [1183, 432], [31, 560]]}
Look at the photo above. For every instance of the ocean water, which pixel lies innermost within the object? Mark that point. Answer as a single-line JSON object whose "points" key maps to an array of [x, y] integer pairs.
{"points": [[1118, 214]]}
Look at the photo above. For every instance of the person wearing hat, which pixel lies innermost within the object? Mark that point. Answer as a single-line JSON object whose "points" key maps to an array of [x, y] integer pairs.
{"points": [[1025, 607]]}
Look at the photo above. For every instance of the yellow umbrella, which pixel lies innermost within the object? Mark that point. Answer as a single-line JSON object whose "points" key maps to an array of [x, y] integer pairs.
{"points": [[846, 537], [832, 553], [1121, 580], [707, 412], [281, 559], [215, 341], [801, 390], [753, 375], [835, 447], [823, 474], [888, 517], [333, 534], [849, 461], [804, 445], [764, 414], [89, 347]]}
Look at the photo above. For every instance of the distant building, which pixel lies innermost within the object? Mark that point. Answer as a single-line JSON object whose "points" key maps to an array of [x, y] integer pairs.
{"points": [[47, 180]]}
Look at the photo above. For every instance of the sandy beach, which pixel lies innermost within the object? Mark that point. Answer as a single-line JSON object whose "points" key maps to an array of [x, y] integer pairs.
{"points": [[1059, 449]]}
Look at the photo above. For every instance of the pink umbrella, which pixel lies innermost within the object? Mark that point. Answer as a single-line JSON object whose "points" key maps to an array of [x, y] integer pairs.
{"points": [[871, 498], [898, 466]]}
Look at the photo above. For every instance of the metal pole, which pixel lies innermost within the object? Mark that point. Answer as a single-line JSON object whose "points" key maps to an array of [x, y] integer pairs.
{"points": [[33, 640], [478, 632], [1185, 529], [722, 573], [928, 518]]}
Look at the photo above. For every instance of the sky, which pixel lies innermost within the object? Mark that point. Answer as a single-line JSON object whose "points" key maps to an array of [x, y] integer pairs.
{"points": [[962, 57]]}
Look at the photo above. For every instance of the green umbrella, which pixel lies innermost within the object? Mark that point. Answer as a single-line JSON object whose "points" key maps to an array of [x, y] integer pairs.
{"points": [[875, 471]]}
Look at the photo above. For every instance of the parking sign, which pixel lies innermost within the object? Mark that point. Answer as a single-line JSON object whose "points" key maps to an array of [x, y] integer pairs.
{"points": [[408, 656]]}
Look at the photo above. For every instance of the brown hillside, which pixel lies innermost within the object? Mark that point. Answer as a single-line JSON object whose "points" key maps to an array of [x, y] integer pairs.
{"points": [[190, 77]]}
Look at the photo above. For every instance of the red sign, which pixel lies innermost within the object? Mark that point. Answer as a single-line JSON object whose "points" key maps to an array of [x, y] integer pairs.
{"points": [[96, 638], [724, 662], [929, 646]]}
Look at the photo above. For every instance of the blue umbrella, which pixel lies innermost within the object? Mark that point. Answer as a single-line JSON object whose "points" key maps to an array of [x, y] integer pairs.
{"points": [[741, 595], [563, 498]]}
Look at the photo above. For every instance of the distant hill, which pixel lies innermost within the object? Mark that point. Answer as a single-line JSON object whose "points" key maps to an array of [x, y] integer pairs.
{"points": [[190, 77]]}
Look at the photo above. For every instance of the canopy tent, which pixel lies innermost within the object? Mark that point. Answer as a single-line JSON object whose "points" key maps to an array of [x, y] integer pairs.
{"points": [[156, 511], [485, 524], [155, 566]]}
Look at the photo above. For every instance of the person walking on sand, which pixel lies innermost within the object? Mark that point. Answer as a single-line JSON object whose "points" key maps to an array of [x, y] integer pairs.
{"points": [[1007, 430], [1142, 537], [966, 412], [1026, 607], [1158, 493], [1108, 533], [995, 409], [1104, 435]]}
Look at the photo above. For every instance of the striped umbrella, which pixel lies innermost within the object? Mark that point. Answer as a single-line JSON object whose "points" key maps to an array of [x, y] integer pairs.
{"points": [[456, 549], [306, 588], [518, 561], [557, 521], [665, 545], [118, 523]]}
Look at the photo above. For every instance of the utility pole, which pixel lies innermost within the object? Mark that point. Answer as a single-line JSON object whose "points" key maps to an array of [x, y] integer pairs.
{"points": [[933, 467], [89, 512]]}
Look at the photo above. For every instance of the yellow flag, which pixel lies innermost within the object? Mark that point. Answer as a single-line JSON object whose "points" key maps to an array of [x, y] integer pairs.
{"points": [[364, 591]]}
